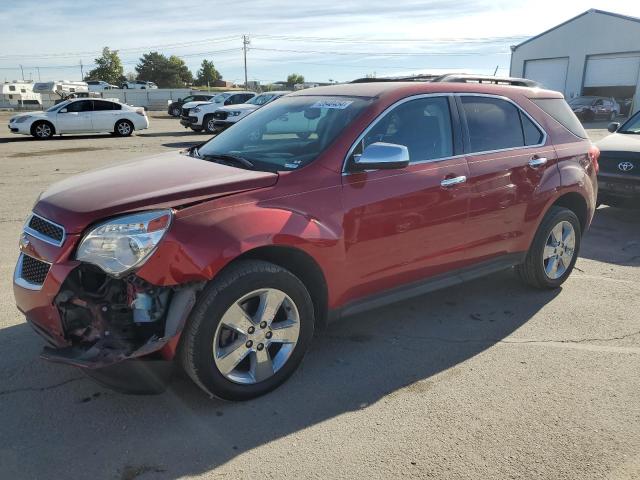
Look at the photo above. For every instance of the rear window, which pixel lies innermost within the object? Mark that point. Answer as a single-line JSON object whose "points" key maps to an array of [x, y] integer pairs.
{"points": [[560, 111]]}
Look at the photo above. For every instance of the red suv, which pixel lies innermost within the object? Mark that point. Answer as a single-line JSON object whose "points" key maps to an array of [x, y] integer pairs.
{"points": [[327, 202]]}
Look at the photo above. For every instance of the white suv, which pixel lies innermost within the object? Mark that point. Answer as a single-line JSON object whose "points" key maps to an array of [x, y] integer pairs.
{"points": [[81, 116], [139, 84], [198, 116], [224, 117]]}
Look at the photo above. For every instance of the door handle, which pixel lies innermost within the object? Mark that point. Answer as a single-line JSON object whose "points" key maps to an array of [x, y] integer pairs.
{"points": [[450, 182], [536, 162]]}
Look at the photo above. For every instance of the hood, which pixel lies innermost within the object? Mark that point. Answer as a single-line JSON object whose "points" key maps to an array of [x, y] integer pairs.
{"points": [[620, 142], [243, 107], [28, 114], [162, 181], [195, 104]]}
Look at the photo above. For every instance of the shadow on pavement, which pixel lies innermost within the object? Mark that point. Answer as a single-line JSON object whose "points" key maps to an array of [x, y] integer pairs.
{"points": [[56, 423], [614, 237]]}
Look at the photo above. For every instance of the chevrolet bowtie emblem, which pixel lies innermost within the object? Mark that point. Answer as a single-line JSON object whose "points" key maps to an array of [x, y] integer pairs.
{"points": [[24, 242]]}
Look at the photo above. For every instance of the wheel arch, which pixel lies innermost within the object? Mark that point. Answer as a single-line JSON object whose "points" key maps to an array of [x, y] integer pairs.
{"points": [[303, 266], [577, 204], [42, 120]]}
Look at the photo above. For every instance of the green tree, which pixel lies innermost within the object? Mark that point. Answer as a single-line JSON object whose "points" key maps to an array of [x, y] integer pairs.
{"points": [[207, 75], [165, 72], [294, 79], [109, 67]]}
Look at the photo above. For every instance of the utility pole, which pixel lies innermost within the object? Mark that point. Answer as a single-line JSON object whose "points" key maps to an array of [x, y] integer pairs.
{"points": [[81, 72], [38, 68], [22, 70], [245, 43]]}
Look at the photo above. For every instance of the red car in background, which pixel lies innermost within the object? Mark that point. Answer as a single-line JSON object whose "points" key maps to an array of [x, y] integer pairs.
{"points": [[327, 202]]}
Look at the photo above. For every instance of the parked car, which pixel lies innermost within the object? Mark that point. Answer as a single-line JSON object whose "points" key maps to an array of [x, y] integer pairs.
{"points": [[619, 177], [174, 107], [100, 86], [589, 109], [139, 84], [226, 257], [198, 116], [81, 116], [224, 117]]}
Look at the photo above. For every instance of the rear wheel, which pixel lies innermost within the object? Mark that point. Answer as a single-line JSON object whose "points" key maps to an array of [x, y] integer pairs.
{"points": [[42, 130], [248, 332], [123, 128], [554, 250]]}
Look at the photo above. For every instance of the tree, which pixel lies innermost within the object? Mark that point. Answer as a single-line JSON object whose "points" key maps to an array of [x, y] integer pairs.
{"points": [[294, 79], [165, 72], [207, 75], [109, 67]]}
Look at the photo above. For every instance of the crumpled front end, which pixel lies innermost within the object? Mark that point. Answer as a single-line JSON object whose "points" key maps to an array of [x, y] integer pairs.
{"points": [[90, 319]]}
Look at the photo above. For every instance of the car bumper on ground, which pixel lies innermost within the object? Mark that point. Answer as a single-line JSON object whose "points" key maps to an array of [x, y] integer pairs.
{"points": [[189, 122], [221, 125]]}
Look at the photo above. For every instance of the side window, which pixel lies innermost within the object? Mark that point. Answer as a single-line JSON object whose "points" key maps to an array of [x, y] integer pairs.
{"points": [[532, 134], [100, 105], [422, 125], [246, 97], [12, 88], [493, 124], [81, 106]]}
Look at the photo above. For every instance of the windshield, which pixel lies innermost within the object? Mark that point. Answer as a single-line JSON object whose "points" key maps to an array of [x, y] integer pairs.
{"points": [[287, 134], [260, 99], [632, 125], [581, 101], [57, 106]]}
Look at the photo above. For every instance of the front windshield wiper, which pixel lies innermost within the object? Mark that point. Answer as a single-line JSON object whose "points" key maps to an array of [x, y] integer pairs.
{"points": [[226, 157]]}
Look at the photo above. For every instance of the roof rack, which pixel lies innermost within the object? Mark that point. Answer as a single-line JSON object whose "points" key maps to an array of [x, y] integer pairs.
{"points": [[467, 78], [455, 78]]}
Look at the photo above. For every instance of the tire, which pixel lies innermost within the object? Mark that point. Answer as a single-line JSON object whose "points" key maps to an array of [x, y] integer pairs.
{"points": [[42, 130], [176, 111], [538, 271], [208, 124], [207, 336], [123, 128]]}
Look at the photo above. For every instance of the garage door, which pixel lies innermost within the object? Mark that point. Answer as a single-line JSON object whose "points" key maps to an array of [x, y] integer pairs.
{"points": [[550, 72], [612, 71]]}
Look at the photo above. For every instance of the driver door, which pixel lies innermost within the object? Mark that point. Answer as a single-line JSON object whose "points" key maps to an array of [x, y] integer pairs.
{"points": [[403, 225], [75, 117]]}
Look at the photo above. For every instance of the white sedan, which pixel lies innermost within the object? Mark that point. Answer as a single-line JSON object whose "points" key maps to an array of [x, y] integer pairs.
{"points": [[81, 116]]}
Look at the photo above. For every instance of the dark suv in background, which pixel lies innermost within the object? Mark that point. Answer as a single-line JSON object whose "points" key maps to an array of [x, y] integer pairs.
{"points": [[174, 108], [589, 109]]}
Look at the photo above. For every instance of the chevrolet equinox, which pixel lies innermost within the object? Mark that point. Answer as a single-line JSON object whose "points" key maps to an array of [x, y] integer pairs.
{"points": [[226, 258]]}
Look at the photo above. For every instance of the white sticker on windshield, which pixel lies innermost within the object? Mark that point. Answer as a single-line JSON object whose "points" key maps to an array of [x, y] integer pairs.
{"points": [[336, 104]]}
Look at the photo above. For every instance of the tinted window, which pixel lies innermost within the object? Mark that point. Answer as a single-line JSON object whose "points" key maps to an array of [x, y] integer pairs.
{"points": [[81, 106], [494, 124], [532, 134], [422, 125], [561, 112], [104, 105]]}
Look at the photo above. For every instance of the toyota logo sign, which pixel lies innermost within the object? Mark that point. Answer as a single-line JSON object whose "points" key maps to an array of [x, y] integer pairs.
{"points": [[625, 166]]}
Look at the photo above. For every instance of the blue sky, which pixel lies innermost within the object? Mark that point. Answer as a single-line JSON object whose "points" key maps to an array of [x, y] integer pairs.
{"points": [[332, 39]]}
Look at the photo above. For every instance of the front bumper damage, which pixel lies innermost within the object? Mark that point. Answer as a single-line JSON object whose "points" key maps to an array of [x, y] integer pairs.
{"points": [[96, 321]]}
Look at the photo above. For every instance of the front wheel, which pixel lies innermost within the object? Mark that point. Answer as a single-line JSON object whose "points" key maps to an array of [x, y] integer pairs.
{"points": [[42, 130], [554, 250], [210, 124], [248, 332], [176, 111], [123, 128]]}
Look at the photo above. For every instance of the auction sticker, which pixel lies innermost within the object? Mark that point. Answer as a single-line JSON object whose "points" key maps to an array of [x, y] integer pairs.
{"points": [[335, 104]]}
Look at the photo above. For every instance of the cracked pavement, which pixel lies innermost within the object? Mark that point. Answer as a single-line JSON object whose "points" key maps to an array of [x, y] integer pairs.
{"points": [[485, 380]]}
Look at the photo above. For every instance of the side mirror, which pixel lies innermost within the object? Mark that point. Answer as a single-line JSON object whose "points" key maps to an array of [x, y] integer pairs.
{"points": [[179, 100], [63, 110], [381, 156], [613, 127]]}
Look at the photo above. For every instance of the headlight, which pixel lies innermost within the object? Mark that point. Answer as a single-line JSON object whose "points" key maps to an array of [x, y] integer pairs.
{"points": [[119, 245], [21, 119], [234, 114], [196, 110]]}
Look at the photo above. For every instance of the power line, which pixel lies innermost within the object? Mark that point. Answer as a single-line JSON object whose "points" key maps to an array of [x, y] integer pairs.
{"points": [[457, 40], [383, 54]]}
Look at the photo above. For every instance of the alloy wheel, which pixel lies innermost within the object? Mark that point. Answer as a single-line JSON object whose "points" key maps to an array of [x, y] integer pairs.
{"points": [[559, 250], [256, 336], [211, 126], [124, 128], [43, 130]]}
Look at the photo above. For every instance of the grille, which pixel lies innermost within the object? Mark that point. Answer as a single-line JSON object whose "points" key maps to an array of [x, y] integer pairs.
{"points": [[611, 164], [46, 228], [220, 115], [34, 271], [185, 112]]}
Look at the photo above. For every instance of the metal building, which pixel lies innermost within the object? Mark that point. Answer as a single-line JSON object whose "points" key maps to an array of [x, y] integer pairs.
{"points": [[595, 53]]}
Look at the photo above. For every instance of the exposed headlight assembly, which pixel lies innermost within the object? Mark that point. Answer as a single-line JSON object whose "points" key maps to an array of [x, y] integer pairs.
{"points": [[121, 244], [234, 114], [196, 110], [22, 119]]}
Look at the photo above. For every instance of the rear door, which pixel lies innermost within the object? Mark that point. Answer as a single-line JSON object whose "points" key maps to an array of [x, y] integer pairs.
{"points": [[105, 115], [404, 225], [508, 155], [75, 117]]}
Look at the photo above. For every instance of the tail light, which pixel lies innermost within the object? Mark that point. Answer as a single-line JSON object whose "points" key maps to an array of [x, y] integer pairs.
{"points": [[140, 111], [594, 154]]}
